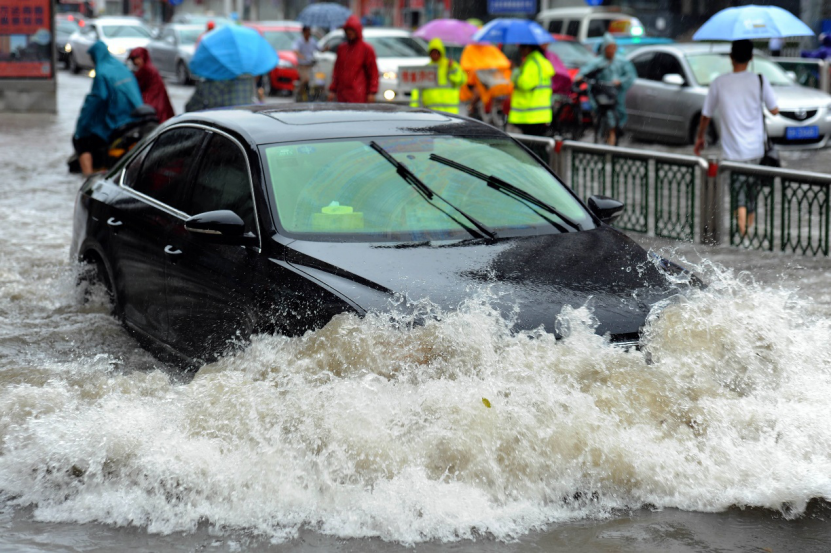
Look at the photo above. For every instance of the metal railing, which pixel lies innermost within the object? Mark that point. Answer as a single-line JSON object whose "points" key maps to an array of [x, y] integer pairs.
{"points": [[792, 208]]}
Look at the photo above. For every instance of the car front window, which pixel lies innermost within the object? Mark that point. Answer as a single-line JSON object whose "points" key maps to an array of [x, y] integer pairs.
{"points": [[124, 31], [397, 47], [345, 190], [281, 40], [706, 67], [572, 54], [189, 36]]}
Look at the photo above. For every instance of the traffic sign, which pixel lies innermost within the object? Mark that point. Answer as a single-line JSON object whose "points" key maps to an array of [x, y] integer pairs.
{"points": [[505, 7]]}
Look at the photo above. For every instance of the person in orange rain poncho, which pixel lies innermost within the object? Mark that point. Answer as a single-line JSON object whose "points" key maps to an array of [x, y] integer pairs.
{"points": [[488, 75]]}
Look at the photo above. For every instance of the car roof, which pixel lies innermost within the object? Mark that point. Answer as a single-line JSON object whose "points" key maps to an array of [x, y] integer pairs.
{"points": [[684, 48], [582, 12], [118, 20], [375, 31], [274, 123]]}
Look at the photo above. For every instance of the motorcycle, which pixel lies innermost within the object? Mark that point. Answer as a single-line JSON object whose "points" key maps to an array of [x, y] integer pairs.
{"points": [[124, 138]]}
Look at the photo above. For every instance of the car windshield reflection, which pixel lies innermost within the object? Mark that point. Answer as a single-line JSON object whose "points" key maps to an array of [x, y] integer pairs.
{"points": [[706, 67], [343, 190]]}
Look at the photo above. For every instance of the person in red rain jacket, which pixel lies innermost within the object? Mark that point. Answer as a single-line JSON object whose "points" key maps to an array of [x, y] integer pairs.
{"points": [[355, 77], [153, 91]]}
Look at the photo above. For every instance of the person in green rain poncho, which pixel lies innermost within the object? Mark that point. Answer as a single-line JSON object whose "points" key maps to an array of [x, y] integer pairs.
{"points": [[616, 70]]}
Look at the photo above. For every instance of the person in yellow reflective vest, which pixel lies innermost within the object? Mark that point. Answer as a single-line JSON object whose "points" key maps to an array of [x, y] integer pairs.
{"points": [[451, 77], [531, 98]]}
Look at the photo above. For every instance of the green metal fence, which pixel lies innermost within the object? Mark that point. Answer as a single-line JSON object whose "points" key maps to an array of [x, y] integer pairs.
{"points": [[790, 209], [688, 198]]}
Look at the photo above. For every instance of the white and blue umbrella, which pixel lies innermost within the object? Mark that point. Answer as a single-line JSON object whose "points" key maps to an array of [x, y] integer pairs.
{"points": [[752, 22], [512, 31], [326, 15]]}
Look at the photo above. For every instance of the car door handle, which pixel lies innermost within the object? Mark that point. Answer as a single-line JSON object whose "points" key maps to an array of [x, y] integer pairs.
{"points": [[170, 250], [113, 222]]}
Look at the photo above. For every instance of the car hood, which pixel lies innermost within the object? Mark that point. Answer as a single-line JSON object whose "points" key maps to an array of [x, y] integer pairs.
{"points": [[126, 43], [392, 64], [793, 97], [602, 269]]}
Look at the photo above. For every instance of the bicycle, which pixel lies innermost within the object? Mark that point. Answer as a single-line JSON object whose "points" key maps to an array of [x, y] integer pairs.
{"points": [[573, 114], [605, 98]]}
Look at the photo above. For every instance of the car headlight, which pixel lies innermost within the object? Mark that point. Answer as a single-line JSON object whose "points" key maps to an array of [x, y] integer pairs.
{"points": [[285, 64], [389, 95], [390, 75], [117, 50], [67, 48]]}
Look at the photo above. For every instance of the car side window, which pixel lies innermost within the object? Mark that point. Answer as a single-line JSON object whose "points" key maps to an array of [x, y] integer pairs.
{"points": [[555, 25], [131, 172], [222, 182], [167, 166], [573, 28], [643, 64], [665, 64], [334, 42], [597, 27]]}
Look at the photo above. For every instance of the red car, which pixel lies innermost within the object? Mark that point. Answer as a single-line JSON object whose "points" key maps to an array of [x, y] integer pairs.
{"points": [[281, 35]]}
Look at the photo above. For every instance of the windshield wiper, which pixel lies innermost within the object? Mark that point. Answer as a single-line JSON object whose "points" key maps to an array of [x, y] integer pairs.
{"points": [[427, 193], [511, 191]]}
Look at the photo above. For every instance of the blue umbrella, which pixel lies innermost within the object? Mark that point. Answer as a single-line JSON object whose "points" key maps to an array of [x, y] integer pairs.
{"points": [[752, 22], [512, 31], [326, 15], [231, 51]]}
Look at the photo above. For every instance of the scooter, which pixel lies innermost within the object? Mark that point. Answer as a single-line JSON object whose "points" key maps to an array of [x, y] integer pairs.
{"points": [[124, 138]]}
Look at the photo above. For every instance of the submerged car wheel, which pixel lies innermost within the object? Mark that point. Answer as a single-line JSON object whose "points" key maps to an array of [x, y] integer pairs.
{"points": [[712, 133], [73, 64], [93, 274], [182, 74]]}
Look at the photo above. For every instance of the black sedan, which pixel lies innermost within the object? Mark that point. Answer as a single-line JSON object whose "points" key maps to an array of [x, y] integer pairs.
{"points": [[274, 219]]}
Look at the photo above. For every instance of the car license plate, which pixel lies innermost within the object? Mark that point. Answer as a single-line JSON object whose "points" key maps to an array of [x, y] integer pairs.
{"points": [[801, 133]]}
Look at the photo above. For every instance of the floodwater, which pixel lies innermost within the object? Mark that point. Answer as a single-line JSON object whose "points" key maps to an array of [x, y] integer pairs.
{"points": [[452, 436]]}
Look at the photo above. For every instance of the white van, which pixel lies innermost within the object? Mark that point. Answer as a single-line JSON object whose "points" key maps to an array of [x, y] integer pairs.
{"points": [[583, 23]]}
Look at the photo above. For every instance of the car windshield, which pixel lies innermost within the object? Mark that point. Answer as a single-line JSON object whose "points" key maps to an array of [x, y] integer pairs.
{"points": [[124, 31], [572, 54], [281, 40], [706, 67], [189, 36], [345, 190], [397, 46]]}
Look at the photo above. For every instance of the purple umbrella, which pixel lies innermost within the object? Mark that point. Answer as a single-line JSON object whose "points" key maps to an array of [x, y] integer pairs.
{"points": [[450, 31]]}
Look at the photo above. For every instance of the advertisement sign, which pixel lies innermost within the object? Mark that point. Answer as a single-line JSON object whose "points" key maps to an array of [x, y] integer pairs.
{"points": [[417, 76], [25, 39], [507, 7]]}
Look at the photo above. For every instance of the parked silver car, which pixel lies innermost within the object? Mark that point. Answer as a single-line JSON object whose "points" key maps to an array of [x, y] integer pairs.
{"points": [[172, 50], [666, 100], [120, 34]]}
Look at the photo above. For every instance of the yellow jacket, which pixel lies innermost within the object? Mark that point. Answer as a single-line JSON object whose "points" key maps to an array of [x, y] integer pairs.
{"points": [[531, 98], [451, 77]]}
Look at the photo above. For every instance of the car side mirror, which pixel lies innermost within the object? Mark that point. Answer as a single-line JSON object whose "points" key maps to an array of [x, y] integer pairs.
{"points": [[607, 209], [217, 227], [674, 79]]}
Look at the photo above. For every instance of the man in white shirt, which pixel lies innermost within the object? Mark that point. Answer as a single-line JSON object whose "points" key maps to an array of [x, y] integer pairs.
{"points": [[305, 48], [738, 97]]}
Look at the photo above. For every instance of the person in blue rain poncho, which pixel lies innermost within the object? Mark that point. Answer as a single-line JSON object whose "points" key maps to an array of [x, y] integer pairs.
{"points": [[115, 94], [618, 71]]}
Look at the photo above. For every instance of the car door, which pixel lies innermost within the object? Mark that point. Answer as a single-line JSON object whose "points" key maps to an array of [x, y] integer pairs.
{"points": [[80, 49], [210, 296], [141, 220], [167, 46], [666, 100], [637, 106]]}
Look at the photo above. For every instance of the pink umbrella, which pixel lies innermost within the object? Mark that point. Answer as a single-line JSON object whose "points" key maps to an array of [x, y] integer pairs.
{"points": [[450, 31]]}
